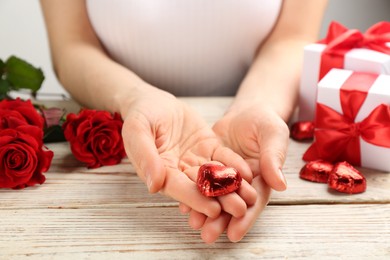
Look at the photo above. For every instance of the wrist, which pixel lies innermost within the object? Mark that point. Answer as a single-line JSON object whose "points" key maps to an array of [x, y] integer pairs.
{"points": [[126, 98], [283, 108]]}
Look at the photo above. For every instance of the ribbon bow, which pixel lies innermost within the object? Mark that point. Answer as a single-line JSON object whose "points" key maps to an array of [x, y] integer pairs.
{"points": [[340, 40], [337, 136]]}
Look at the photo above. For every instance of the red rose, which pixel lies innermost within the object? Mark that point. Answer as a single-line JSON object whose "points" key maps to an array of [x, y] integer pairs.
{"points": [[95, 137], [25, 109], [11, 119], [22, 158]]}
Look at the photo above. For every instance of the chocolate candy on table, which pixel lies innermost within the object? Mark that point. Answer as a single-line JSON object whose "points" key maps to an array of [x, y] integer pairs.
{"points": [[302, 131], [217, 180], [316, 171], [347, 179]]}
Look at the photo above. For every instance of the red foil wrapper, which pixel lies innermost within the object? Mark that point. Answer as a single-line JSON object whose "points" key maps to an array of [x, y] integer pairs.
{"points": [[345, 178], [217, 180], [316, 171], [302, 131]]}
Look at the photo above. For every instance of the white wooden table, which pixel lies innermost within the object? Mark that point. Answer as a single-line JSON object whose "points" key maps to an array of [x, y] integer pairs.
{"points": [[107, 213]]}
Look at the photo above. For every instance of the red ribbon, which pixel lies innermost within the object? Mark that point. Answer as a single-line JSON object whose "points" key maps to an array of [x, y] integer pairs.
{"points": [[337, 136], [340, 40]]}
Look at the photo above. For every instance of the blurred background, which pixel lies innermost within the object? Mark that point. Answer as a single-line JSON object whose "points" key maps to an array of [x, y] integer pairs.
{"points": [[22, 30]]}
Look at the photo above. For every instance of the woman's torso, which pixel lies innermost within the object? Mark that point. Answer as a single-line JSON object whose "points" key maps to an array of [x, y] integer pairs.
{"points": [[187, 47]]}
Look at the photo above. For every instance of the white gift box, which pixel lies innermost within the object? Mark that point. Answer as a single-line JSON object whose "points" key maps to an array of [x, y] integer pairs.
{"points": [[363, 60], [371, 156]]}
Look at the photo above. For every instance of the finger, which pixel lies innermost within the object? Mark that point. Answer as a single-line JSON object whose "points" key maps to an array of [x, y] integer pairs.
{"points": [[142, 152], [247, 193], [213, 228], [273, 149], [254, 165], [184, 209], [196, 219], [238, 227], [233, 204], [179, 187], [231, 159], [192, 172]]}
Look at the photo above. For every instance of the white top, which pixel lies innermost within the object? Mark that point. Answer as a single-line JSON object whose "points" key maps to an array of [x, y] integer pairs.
{"points": [[187, 47]]}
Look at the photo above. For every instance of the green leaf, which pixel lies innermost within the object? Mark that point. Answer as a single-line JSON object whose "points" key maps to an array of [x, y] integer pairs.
{"points": [[4, 89], [21, 74], [2, 66], [53, 134], [4, 86]]}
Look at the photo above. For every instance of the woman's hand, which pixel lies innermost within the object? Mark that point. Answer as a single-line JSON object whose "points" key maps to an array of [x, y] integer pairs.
{"points": [[166, 141], [260, 136], [236, 228]]}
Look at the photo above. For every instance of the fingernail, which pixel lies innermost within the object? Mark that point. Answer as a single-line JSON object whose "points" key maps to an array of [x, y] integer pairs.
{"points": [[149, 180], [282, 177]]}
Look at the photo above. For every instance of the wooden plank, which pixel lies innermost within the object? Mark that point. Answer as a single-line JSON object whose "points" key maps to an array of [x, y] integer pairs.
{"points": [[107, 213], [312, 231], [70, 185], [300, 191]]}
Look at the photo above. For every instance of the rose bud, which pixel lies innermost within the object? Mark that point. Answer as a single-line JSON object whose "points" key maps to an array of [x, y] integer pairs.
{"points": [[52, 116], [302, 131], [217, 180], [316, 171], [345, 178]]}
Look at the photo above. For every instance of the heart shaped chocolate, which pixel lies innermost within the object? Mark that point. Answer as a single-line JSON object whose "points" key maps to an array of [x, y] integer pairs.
{"points": [[217, 180], [302, 131], [316, 171], [345, 178]]}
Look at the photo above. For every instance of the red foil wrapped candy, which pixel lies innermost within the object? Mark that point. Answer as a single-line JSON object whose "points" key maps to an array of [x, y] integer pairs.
{"points": [[345, 178], [302, 131], [316, 171], [217, 180]]}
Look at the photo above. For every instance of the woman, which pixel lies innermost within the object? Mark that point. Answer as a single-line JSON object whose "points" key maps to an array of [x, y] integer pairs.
{"points": [[135, 56]]}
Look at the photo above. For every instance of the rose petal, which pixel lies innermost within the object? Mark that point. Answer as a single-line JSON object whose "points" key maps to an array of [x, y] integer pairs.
{"points": [[26, 109]]}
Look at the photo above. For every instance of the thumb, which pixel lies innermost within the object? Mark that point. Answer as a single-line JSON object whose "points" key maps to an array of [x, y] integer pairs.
{"points": [[273, 150], [141, 149]]}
